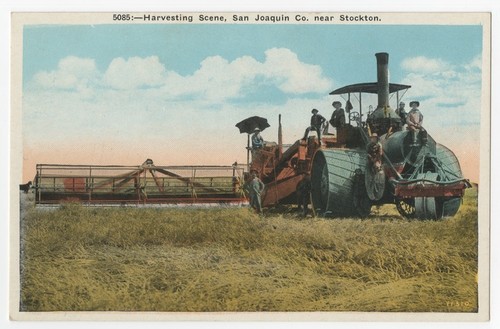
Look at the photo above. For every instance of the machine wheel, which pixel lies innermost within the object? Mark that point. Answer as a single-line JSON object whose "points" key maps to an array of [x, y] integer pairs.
{"points": [[354, 116], [436, 208], [427, 208], [362, 204], [406, 207], [324, 185], [431, 207], [449, 206], [333, 183], [320, 186], [374, 183]]}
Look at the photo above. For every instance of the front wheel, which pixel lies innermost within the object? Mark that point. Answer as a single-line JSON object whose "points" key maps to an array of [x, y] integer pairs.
{"points": [[406, 207]]}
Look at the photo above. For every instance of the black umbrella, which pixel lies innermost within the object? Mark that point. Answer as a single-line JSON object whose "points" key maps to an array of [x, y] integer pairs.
{"points": [[249, 124]]}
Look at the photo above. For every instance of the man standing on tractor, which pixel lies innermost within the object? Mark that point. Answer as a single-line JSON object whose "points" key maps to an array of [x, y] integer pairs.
{"points": [[338, 116], [317, 121]]}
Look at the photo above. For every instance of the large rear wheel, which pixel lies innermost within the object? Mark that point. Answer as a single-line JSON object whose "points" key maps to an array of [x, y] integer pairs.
{"points": [[334, 176]]}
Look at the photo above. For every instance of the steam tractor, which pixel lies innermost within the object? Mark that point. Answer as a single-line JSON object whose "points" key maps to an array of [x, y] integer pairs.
{"points": [[422, 178]]}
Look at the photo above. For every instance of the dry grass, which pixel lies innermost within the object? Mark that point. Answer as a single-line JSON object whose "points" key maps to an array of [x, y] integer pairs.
{"points": [[83, 259]]}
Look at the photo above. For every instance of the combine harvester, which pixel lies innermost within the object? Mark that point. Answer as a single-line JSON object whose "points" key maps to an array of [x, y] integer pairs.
{"points": [[422, 180], [146, 184]]}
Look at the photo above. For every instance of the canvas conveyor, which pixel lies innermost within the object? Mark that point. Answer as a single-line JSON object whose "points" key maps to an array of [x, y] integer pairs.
{"points": [[143, 184]]}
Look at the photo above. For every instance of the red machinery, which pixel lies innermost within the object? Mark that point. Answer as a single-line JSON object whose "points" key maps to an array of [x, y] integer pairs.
{"points": [[422, 179]]}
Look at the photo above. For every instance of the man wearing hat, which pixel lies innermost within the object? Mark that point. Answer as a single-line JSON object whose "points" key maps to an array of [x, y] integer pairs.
{"points": [[257, 143], [338, 116], [414, 120], [254, 187], [317, 121], [257, 140], [374, 151], [402, 113]]}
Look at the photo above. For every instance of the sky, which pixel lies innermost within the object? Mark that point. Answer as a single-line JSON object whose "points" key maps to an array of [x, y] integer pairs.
{"points": [[118, 94]]}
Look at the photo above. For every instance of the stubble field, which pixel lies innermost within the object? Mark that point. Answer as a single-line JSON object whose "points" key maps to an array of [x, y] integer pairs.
{"points": [[137, 259]]}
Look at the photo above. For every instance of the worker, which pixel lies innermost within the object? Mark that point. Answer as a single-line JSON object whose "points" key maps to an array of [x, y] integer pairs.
{"points": [[257, 140], [374, 152], [257, 144], [317, 121], [370, 111], [414, 121], [304, 194], [402, 113], [338, 116], [254, 188]]}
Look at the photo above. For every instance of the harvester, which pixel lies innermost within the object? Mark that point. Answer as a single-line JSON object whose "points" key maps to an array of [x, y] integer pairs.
{"points": [[145, 184], [423, 179]]}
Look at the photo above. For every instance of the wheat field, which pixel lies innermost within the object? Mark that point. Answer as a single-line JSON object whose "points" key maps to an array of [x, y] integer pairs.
{"points": [[229, 259]]}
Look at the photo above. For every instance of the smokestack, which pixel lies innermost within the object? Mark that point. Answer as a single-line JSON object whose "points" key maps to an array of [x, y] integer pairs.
{"points": [[382, 79]]}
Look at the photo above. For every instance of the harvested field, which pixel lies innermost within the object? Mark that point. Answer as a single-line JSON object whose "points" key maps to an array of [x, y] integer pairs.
{"points": [[130, 259]]}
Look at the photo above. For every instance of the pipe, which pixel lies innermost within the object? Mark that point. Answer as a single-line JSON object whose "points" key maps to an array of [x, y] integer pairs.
{"points": [[382, 79], [248, 153], [280, 138]]}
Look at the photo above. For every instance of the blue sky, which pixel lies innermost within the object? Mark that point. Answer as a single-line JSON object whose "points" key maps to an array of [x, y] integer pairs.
{"points": [[119, 94], [339, 50]]}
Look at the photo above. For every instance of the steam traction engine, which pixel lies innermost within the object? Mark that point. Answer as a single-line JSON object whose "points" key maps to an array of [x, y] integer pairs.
{"points": [[422, 179]]}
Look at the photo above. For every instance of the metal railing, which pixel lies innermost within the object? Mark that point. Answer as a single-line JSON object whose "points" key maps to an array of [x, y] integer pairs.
{"points": [[56, 183]]}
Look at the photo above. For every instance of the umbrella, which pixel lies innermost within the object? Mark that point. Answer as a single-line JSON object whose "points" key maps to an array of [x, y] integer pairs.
{"points": [[249, 124]]}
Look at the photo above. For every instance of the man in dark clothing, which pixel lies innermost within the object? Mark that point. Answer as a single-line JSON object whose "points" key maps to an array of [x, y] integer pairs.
{"points": [[317, 121], [374, 151], [303, 194], [402, 113], [338, 116]]}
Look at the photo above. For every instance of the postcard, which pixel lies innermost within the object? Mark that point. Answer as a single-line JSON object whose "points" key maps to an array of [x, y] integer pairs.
{"points": [[277, 166]]}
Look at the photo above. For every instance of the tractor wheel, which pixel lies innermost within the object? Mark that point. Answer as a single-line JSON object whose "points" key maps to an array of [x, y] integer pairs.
{"points": [[406, 207]]}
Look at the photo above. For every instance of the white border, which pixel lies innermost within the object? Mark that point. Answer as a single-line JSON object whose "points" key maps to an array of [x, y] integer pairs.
{"points": [[226, 6]]}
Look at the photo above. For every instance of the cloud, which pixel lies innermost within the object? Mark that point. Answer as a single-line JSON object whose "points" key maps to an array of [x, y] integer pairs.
{"points": [[72, 73], [422, 64], [296, 77], [449, 94], [135, 72], [217, 80]]}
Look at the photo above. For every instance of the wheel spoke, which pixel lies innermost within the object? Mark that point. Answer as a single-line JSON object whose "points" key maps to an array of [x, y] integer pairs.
{"points": [[406, 208]]}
